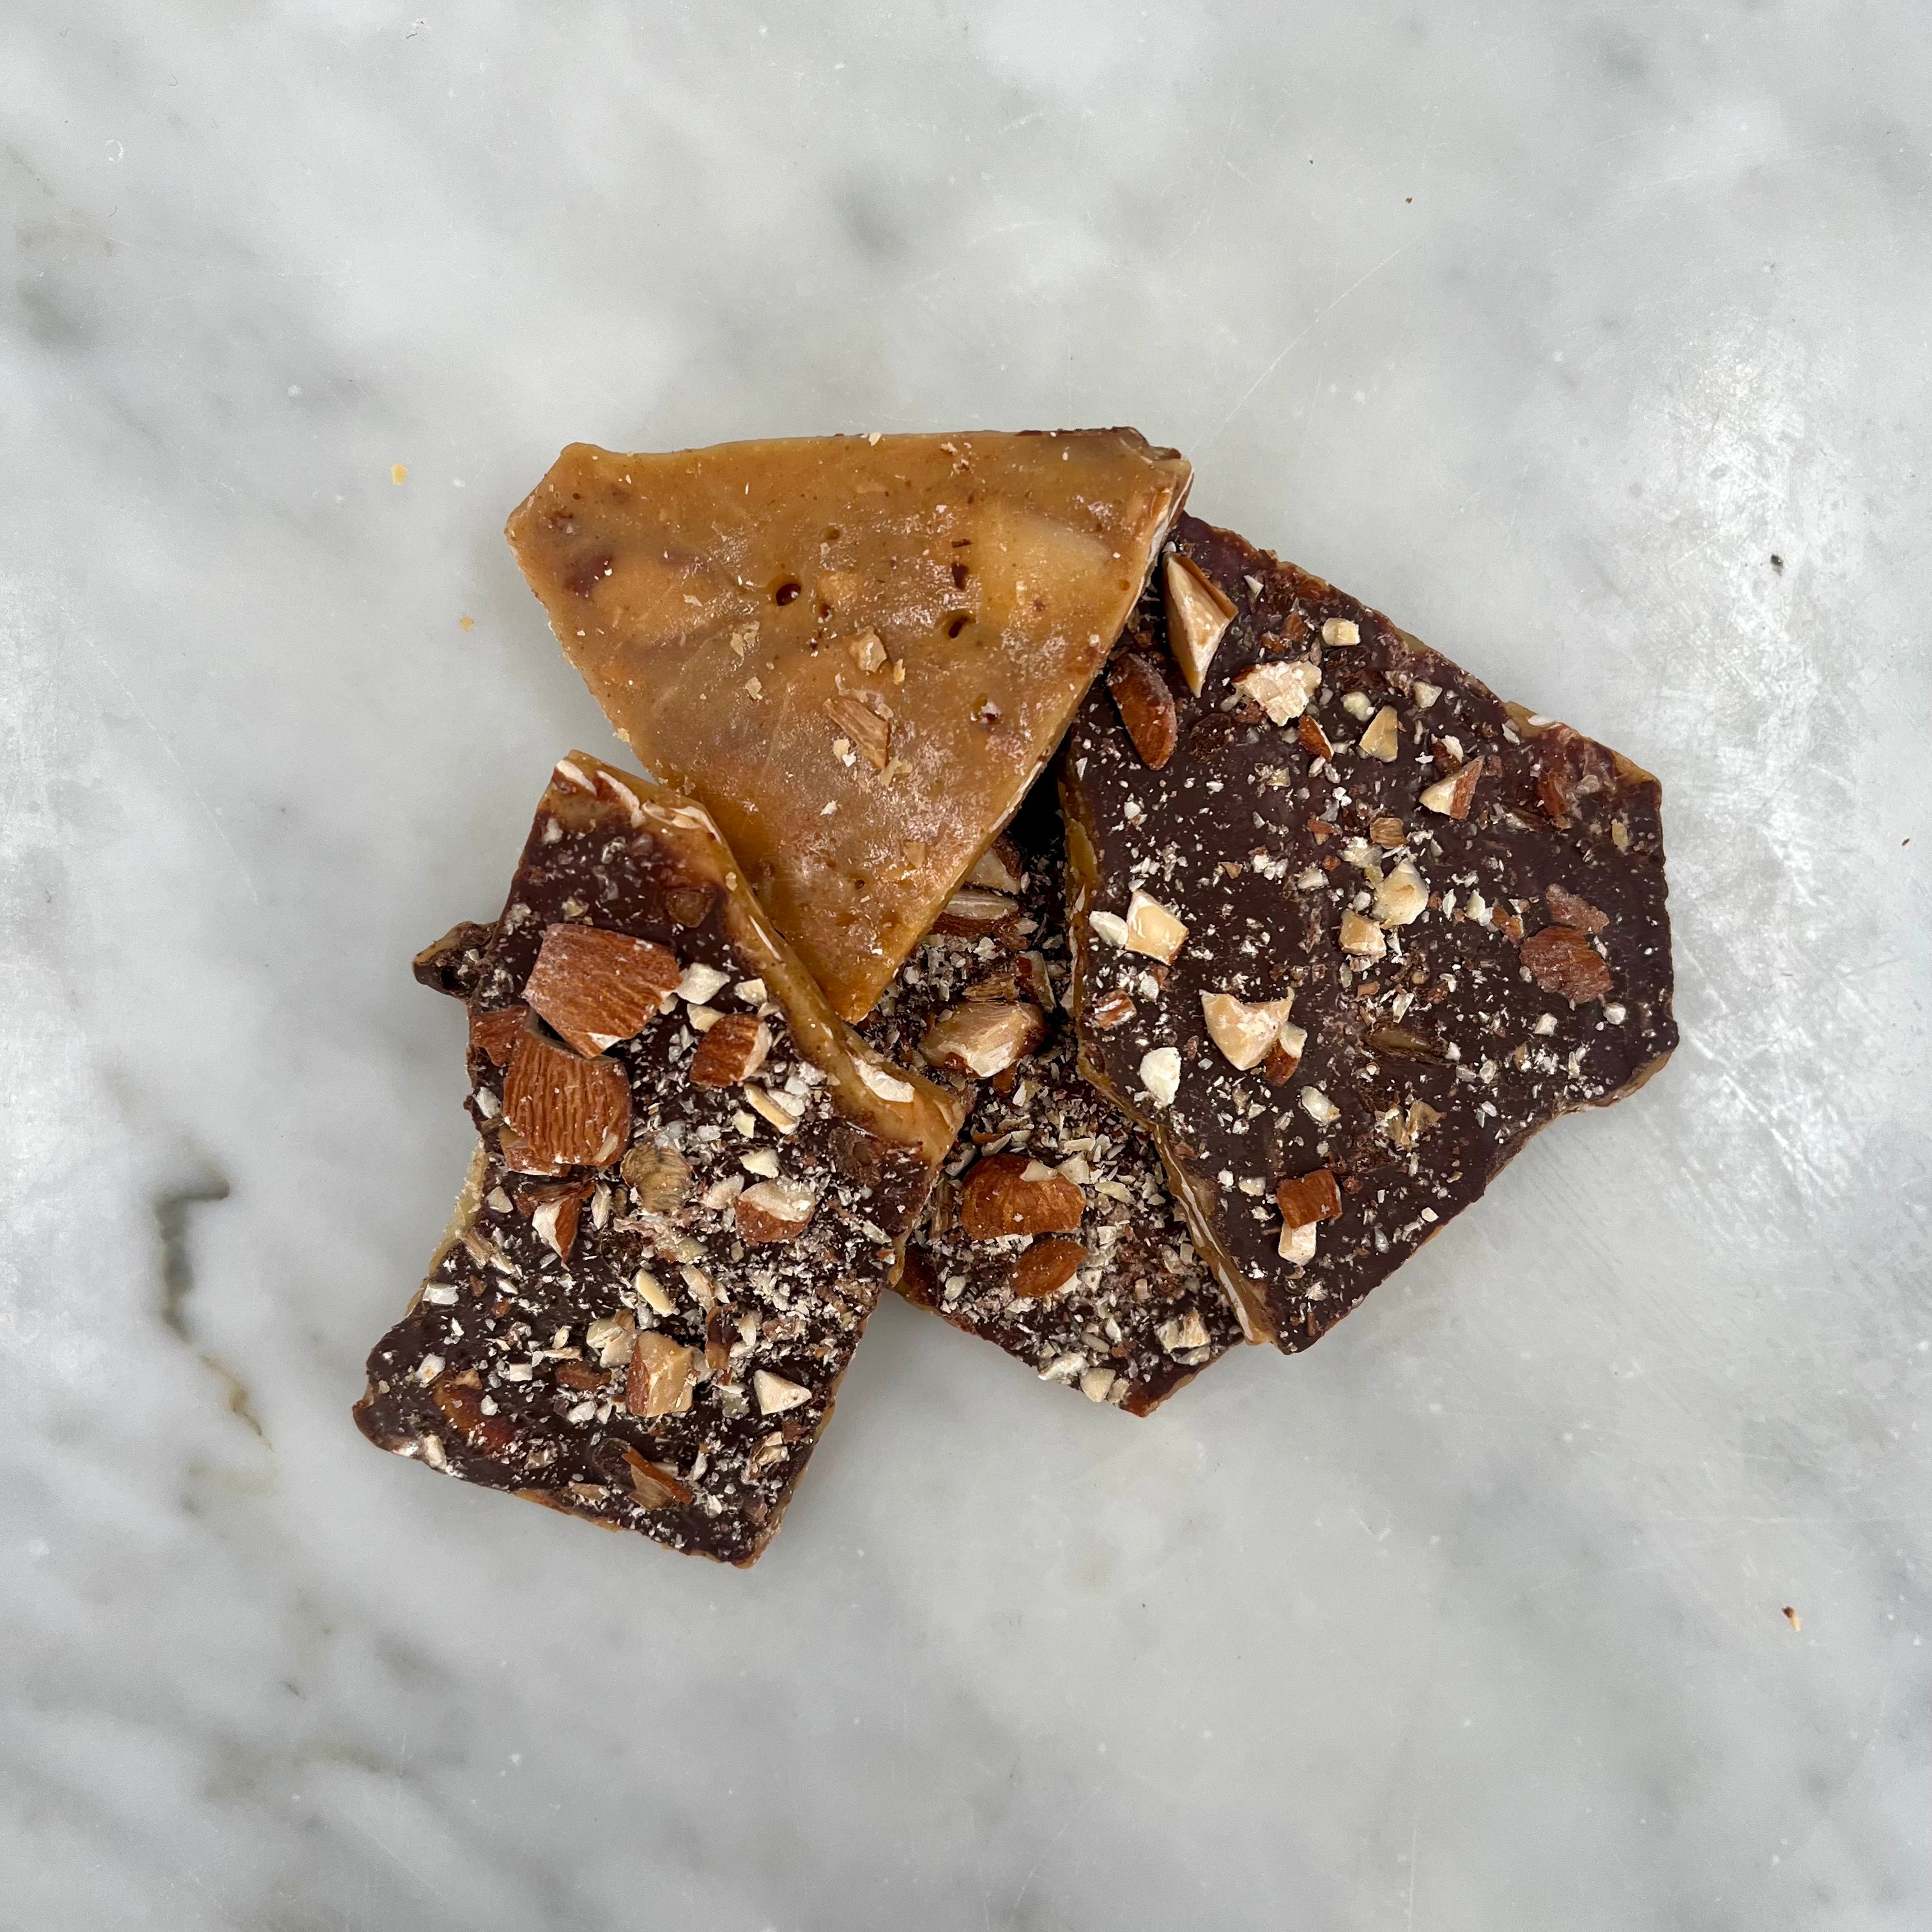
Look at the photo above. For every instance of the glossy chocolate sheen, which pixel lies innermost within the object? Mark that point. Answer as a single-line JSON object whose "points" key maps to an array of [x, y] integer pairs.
{"points": [[1260, 845], [1142, 1314], [497, 1375]]}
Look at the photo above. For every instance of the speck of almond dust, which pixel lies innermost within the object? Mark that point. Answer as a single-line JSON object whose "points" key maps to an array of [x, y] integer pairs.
{"points": [[399, 473], [1791, 1617], [466, 623]]}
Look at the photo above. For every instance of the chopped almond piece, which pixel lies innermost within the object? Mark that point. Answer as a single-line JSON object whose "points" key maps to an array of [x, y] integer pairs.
{"points": [[983, 1037], [1146, 706], [1010, 1194], [1246, 1034], [596, 988], [1307, 1197], [1451, 797], [1198, 614], [570, 1111], [732, 1050], [1046, 1267]]}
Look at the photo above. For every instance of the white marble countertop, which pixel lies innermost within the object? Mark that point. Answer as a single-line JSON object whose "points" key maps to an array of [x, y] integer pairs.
{"points": [[1550, 330]]}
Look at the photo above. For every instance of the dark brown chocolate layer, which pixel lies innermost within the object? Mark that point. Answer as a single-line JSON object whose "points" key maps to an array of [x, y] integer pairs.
{"points": [[1509, 965], [1137, 1313], [645, 1337]]}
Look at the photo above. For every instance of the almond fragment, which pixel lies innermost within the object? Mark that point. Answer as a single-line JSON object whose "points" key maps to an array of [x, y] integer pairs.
{"points": [[1198, 614], [867, 652], [776, 1210], [700, 982], [1283, 690], [1383, 738], [1000, 868], [1362, 936], [458, 1394], [1046, 1266], [871, 735], [1340, 631], [1298, 1244], [1153, 930], [1314, 740], [1111, 1010], [1402, 896], [1245, 1033], [983, 1037], [1146, 706], [660, 1175], [1405, 1132], [1183, 1332], [1385, 832], [1451, 797], [1160, 1075], [596, 988], [1010, 1194], [569, 1112], [553, 1213], [1284, 1056], [733, 1050], [775, 1395], [1561, 960], [779, 1110], [882, 1080], [495, 1035], [1566, 907], [655, 1486], [973, 911], [613, 1336], [1307, 1198], [658, 1381]]}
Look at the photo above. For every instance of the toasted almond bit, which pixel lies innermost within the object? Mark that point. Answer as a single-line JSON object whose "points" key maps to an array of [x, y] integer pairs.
{"points": [[1317, 1106], [553, 1213], [1244, 1032], [1281, 689], [700, 982], [1383, 738], [1620, 834], [571, 775], [886, 1085], [776, 1210], [871, 733], [733, 1050], [655, 1487], [613, 1336], [1341, 631], [568, 1110], [495, 1035], [1561, 960], [1112, 1009], [1284, 1056], [867, 652], [1096, 1384], [659, 1175], [1146, 706], [1002, 1195], [1154, 930], [1111, 926], [1424, 695], [775, 1394], [1359, 705], [1306, 1198], [1402, 895], [751, 992], [654, 1291], [1546, 1025], [1362, 936], [722, 1192], [1046, 1267], [1000, 869], [973, 911], [763, 1161], [1160, 1075], [1184, 1332], [1451, 797], [660, 1376], [702, 1019], [1791, 1617], [596, 988], [983, 1037], [1198, 614], [1298, 1244], [776, 1109], [1314, 740], [1404, 1133], [1566, 906], [1385, 832]]}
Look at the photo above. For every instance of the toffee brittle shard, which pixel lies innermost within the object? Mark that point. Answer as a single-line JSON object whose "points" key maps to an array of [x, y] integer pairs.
{"points": [[857, 652], [1052, 1232], [1395, 925], [693, 1182]]}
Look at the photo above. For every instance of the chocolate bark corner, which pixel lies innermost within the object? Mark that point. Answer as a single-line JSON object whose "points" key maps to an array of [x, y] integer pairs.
{"points": [[1051, 1233], [857, 651], [1374, 926], [692, 1183]]}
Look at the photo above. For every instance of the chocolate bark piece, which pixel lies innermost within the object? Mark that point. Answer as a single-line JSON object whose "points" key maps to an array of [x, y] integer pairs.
{"points": [[1464, 902], [857, 651], [653, 1282], [1113, 1300]]}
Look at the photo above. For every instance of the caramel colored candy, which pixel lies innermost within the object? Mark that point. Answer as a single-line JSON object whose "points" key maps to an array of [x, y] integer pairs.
{"points": [[857, 652]]}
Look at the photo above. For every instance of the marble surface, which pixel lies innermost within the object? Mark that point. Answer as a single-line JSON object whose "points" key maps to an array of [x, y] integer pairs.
{"points": [[1549, 330]]}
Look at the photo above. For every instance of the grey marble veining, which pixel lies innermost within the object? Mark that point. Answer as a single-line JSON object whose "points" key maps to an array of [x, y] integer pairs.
{"points": [[1544, 328]]}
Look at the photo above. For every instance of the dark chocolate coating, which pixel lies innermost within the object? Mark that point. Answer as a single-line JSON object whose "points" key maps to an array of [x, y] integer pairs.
{"points": [[1258, 846]]}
